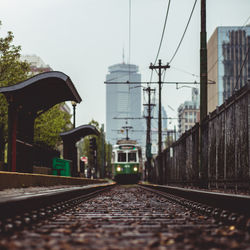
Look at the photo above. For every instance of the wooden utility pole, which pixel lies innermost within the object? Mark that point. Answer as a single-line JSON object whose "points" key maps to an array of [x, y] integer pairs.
{"points": [[159, 67], [203, 63], [148, 138], [203, 91]]}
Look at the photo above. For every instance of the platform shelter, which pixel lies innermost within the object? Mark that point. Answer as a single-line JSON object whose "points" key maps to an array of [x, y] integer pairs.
{"points": [[70, 138], [26, 101]]}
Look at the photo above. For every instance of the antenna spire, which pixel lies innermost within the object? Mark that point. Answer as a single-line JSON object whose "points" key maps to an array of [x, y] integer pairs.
{"points": [[123, 56]]}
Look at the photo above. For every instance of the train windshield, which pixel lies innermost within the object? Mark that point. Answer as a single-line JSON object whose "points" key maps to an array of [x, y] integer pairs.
{"points": [[122, 157], [132, 157]]}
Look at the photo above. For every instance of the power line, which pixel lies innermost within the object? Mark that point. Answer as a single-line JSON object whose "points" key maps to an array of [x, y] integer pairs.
{"points": [[245, 23], [163, 31], [134, 118], [183, 33], [129, 54], [184, 71], [128, 82]]}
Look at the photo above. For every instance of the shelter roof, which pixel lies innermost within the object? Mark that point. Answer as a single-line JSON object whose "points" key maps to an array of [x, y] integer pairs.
{"points": [[42, 91], [77, 133]]}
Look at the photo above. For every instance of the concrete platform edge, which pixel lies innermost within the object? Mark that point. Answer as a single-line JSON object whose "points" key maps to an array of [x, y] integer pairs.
{"points": [[21, 180]]}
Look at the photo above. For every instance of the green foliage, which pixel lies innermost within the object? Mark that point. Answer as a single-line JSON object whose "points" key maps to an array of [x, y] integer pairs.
{"points": [[12, 70], [50, 124], [104, 150]]}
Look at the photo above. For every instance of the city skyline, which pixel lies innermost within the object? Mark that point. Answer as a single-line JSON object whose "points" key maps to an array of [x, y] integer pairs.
{"points": [[93, 36]]}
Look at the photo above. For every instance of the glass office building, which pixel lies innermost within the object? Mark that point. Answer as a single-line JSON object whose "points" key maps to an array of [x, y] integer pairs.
{"points": [[228, 63]]}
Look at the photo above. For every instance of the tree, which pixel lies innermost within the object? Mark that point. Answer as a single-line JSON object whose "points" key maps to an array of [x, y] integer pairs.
{"points": [[50, 124], [12, 71], [103, 149]]}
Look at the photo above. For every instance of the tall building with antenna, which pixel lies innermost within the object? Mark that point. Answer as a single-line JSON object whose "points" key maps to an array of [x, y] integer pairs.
{"points": [[123, 100]]}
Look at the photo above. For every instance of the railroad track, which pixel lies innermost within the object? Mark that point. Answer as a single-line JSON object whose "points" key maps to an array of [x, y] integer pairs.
{"points": [[229, 208], [128, 217], [21, 210]]}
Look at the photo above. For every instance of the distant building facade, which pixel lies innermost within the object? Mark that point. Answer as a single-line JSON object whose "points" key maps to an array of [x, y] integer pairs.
{"points": [[228, 63], [37, 65], [189, 112], [123, 101]]}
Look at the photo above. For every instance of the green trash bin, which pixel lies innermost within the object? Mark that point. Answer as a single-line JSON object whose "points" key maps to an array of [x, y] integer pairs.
{"points": [[61, 167]]}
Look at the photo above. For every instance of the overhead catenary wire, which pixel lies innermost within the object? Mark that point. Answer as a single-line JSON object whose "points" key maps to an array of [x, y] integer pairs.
{"points": [[172, 58], [129, 53], [163, 31], [176, 82]]}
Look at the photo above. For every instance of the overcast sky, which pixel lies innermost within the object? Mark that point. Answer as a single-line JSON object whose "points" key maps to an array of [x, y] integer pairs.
{"points": [[82, 38]]}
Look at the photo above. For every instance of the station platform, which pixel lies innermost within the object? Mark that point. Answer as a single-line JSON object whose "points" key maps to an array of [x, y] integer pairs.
{"points": [[22, 180]]}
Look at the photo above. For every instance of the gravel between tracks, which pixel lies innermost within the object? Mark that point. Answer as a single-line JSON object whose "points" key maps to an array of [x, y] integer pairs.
{"points": [[128, 217]]}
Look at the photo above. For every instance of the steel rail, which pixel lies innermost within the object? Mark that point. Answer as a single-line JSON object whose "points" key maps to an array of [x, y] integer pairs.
{"points": [[13, 206], [231, 202]]}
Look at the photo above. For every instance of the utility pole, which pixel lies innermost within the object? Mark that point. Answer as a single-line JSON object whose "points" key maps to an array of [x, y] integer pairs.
{"points": [[203, 88], [203, 63], [148, 138], [159, 67]]}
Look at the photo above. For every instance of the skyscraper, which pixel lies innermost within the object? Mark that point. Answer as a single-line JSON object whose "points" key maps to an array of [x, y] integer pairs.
{"points": [[228, 63], [123, 101]]}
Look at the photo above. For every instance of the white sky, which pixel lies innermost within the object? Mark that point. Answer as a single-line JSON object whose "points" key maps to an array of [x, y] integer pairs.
{"points": [[82, 38]]}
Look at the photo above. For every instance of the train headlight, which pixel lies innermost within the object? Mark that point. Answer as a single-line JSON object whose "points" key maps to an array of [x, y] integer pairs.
{"points": [[135, 169], [119, 169]]}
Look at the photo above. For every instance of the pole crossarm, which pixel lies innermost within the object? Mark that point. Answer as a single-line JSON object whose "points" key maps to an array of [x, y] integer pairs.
{"points": [[133, 118], [159, 67], [173, 82]]}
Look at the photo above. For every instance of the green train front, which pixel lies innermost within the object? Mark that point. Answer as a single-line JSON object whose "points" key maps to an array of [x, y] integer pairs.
{"points": [[126, 159]]}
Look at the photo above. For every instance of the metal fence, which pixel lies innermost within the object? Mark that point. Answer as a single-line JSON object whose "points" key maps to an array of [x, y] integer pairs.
{"points": [[225, 157], [43, 155]]}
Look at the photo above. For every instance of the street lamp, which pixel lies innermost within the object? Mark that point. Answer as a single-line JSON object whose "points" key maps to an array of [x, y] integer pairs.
{"points": [[74, 113]]}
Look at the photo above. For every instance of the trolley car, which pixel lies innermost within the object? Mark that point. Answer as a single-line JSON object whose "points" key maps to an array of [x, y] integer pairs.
{"points": [[126, 162]]}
